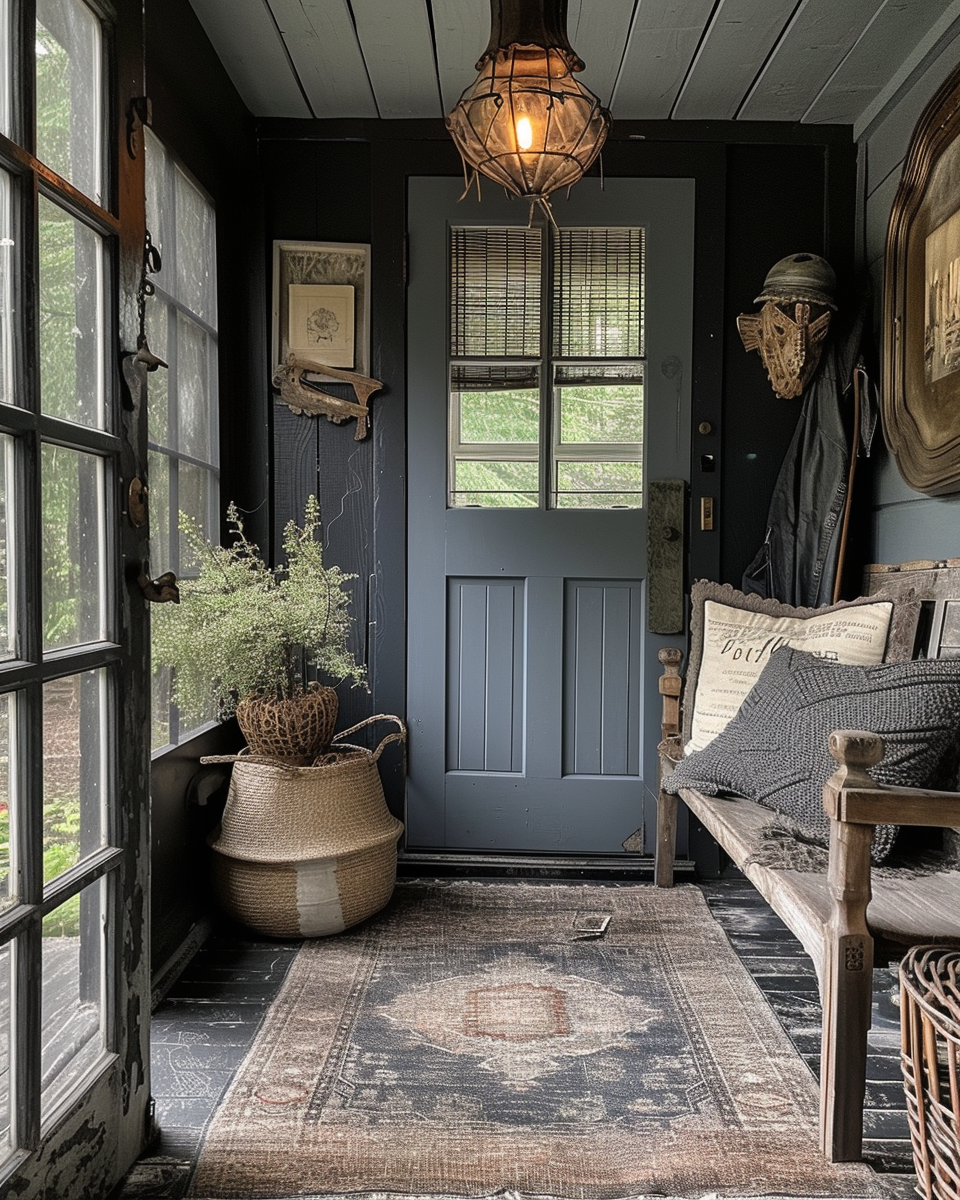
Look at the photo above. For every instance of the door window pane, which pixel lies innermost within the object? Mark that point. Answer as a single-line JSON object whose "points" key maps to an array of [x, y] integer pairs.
{"points": [[493, 484], [71, 318], [7, 817], [495, 292], [6, 38], [499, 416], [601, 414], [6, 1058], [72, 1037], [74, 584], [69, 92], [8, 638], [598, 485], [6, 292], [74, 720], [598, 293]]}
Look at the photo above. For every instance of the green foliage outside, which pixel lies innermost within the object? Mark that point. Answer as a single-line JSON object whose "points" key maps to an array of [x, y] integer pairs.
{"points": [[61, 851], [53, 102], [60, 345], [243, 628], [595, 417]]}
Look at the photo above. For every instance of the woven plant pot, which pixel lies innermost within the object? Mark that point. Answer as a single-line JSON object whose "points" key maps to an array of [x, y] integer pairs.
{"points": [[307, 851], [296, 730]]}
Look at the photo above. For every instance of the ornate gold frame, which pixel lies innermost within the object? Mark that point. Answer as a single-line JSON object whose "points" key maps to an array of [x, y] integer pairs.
{"points": [[921, 414]]}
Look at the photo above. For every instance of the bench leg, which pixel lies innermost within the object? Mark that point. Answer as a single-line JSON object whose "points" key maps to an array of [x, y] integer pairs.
{"points": [[847, 995], [666, 839]]}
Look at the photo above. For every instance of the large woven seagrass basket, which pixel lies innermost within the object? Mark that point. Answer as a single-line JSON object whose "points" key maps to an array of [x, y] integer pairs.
{"points": [[930, 1057], [307, 851]]}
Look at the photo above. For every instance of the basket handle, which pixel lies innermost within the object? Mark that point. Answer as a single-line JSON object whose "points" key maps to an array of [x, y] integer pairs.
{"points": [[244, 755], [400, 735]]}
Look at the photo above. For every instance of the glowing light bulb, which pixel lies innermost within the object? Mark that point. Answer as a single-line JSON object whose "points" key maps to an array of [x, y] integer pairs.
{"points": [[524, 133]]}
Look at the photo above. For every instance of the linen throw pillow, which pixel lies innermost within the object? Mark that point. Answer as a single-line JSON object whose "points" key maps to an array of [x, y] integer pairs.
{"points": [[775, 750], [733, 636]]}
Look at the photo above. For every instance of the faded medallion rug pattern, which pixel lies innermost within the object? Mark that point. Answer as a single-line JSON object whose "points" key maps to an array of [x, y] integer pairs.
{"points": [[477, 1037]]}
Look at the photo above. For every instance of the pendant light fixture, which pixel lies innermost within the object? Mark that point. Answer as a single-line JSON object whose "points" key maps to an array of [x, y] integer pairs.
{"points": [[526, 122]]}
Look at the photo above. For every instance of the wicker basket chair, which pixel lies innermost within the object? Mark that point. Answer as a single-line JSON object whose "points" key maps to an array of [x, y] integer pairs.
{"points": [[930, 1057]]}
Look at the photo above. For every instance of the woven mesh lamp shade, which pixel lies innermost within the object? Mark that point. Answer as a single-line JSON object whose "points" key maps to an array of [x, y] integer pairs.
{"points": [[526, 122]]}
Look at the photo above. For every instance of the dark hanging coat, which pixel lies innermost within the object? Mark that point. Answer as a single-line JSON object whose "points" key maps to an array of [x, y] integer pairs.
{"points": [[798, 560]]}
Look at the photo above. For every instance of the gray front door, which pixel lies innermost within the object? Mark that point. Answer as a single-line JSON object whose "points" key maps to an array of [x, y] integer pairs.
{"points": [[532, 681]]}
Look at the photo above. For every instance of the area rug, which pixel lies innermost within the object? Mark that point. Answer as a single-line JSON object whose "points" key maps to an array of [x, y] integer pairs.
{"points": [[588, 1042]]}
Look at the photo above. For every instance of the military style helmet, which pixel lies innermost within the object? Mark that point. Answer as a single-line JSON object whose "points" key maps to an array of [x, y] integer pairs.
{"points": [[806, 277]]}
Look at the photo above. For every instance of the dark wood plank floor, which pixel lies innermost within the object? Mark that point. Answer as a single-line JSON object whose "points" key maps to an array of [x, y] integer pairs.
{"points": [[202, 1030]]}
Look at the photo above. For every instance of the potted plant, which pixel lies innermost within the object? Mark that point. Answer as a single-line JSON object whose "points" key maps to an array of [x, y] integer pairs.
{"points": [[255, 635]]}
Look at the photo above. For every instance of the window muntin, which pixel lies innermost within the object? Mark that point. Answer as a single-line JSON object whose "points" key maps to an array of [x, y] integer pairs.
{"points": [[182, 431], [572, 383], [70, 93], [71, 318]]}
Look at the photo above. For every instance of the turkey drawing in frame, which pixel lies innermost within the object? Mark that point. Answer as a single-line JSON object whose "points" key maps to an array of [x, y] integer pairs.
{"points": [[320, 322]]}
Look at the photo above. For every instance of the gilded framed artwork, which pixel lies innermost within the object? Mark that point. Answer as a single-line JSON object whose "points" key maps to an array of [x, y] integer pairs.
{"points": [[921, 331], [321, 303]]}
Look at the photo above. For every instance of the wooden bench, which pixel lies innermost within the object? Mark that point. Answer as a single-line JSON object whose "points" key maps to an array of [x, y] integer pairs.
{"points": [[848, 918]]}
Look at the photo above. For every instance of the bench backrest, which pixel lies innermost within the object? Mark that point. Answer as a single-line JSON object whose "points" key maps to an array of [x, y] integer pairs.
{"points": [[937, 585]]}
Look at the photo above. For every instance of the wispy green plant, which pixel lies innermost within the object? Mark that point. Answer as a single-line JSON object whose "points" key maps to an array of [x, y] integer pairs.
{"points": [[243, 628]]}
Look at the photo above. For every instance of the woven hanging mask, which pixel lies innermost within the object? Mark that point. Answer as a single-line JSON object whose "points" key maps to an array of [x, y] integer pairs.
{"points": [[790, 345]]}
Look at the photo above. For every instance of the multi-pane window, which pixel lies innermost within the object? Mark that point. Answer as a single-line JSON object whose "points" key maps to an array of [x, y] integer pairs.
{"points": [[546, 367], [60, 634], [181, 327]]}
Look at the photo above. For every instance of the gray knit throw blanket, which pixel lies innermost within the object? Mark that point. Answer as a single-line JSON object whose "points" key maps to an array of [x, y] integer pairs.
{"points": [[774, 751]]}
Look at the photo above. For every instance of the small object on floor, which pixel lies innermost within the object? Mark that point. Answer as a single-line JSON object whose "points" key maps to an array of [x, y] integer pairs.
{"points": [[588, 926]]}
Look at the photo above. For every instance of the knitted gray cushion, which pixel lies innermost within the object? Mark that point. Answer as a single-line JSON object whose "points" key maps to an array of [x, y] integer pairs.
{"points": [[775, 751]]}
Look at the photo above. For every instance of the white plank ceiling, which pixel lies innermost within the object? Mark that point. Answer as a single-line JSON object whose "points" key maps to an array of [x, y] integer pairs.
{"points": [[838, 61]]}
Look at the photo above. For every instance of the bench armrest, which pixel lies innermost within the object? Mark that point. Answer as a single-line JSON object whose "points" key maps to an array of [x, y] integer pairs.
{"points": [[852, 796]]}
